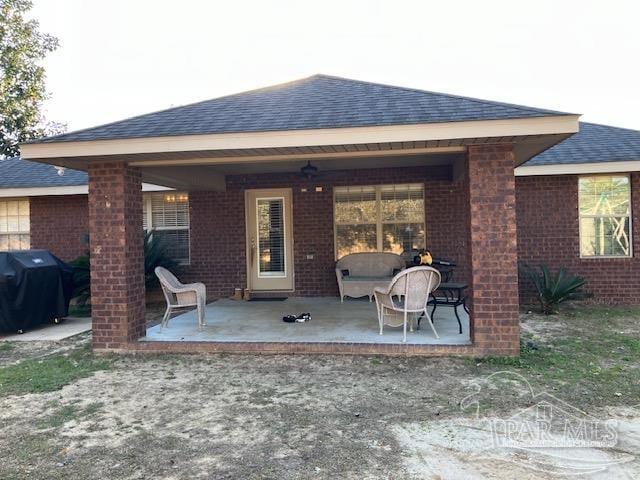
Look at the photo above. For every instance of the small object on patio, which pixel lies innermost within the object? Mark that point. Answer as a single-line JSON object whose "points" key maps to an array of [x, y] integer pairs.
{"points": [[424, 258], [407, 293], [303, 317], [180, 295]]}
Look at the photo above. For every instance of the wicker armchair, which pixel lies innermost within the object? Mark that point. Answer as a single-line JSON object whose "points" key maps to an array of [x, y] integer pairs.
{"points": [[179, 295], [408, 293]]}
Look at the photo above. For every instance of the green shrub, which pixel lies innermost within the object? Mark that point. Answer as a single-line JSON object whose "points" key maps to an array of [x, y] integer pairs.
{"points": [[81, 279], [553, 290], [155, 255]]}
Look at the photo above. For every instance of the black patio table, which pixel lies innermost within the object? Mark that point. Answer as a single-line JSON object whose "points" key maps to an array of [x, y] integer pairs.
{"points": [[450, 294]]}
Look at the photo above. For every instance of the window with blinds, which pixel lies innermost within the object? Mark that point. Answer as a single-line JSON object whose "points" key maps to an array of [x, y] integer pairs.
{"points": [[14, 225], [271, 237], [383, 218], [167, 216]]}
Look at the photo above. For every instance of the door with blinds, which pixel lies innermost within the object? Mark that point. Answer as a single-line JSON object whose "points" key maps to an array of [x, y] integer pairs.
{"points": [[269, 239]]}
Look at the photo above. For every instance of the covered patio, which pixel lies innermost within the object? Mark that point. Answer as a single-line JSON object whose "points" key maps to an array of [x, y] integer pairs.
{"points": [[351, 322], [242, 159]]}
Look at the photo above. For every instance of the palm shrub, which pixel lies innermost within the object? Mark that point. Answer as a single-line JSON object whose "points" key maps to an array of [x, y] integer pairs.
{"points": [[155, 255], [81, 280], [554, 289]]}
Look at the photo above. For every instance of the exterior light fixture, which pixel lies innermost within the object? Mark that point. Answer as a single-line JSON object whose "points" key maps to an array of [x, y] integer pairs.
{"points": [[309, 171]]}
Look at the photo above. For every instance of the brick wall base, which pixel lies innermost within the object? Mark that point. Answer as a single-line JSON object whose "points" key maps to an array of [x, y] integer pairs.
{"points": [[282, 348]]}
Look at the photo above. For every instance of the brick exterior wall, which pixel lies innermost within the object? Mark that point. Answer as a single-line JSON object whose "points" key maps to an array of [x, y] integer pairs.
{"points": [[218, 252], [495, 328], [471, 221], [60, 224], [548, 233], [117, 264]]}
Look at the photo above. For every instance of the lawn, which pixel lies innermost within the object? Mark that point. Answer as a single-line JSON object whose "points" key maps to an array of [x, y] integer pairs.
{"points": [[67, 414]]}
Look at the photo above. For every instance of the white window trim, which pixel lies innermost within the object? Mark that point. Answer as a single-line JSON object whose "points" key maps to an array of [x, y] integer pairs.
{"points": [[629, 218], [379, 222], [147, 199]]}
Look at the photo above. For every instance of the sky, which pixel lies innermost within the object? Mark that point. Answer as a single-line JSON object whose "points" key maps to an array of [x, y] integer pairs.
{"points": [[120, 58]]}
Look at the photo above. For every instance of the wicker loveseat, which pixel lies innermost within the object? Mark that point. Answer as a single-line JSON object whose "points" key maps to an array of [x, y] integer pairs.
{"points": [[359, 273]]}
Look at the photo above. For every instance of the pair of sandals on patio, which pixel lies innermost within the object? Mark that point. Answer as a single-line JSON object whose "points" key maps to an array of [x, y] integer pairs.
{"points": [[302, 318]]}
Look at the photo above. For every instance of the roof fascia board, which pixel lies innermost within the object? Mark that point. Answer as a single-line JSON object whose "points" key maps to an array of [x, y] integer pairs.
{"points": [[314, 137]]}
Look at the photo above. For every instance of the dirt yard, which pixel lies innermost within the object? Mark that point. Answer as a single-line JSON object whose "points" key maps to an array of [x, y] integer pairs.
{"points": [[67, 415]]}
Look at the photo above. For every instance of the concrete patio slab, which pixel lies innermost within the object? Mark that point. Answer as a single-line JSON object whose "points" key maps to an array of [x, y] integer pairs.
{"points": [[354, 321], [51, 332]]}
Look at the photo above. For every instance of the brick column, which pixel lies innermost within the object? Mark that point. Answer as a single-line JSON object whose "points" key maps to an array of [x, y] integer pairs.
{"points": [[495, 328], [117, 259]]}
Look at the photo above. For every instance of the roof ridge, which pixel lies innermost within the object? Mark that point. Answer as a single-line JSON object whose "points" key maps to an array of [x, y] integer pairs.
{"points": [[449, 95]]}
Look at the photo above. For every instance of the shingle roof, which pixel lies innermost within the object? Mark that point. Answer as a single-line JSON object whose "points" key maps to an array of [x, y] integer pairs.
{"points": [[320, 101], [593, 144], [18, 173]]}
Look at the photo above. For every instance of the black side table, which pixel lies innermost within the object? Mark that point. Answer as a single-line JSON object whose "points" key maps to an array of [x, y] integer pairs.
{"points": [[450, 294]]}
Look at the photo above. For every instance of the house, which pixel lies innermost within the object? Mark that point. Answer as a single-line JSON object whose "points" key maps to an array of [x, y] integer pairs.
{"points": [[316, 168]]}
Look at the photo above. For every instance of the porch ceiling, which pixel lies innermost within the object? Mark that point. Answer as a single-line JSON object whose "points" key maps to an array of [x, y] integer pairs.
{"points": [[211, 175]]}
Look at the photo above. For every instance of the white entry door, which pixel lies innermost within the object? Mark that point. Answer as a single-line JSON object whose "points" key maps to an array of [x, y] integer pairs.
{"points": [[269, 239]]}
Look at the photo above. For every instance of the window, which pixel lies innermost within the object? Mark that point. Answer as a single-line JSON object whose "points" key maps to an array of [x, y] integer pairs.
{"points": [[604, 204], [14, 224], [384, 218], [167, 215]]}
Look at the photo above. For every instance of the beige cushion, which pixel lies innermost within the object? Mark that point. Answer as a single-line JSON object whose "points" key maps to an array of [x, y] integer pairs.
{"points": [[366, 271], [371, 264]]}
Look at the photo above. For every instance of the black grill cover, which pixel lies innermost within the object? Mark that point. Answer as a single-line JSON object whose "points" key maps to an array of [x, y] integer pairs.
{"points": [[35, 288]]}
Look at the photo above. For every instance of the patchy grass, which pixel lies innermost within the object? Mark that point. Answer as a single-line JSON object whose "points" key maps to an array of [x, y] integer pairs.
{"points": [[593, 362], [6, 346], [297, 416], [52, 372], [68, 413]]}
